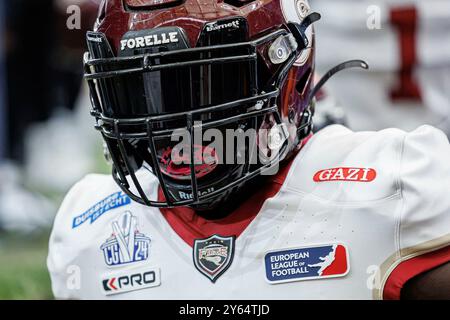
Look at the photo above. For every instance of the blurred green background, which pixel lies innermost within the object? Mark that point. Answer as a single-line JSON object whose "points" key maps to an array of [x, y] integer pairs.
{"points": [[23, 270], [47, 140], [23, 254]]}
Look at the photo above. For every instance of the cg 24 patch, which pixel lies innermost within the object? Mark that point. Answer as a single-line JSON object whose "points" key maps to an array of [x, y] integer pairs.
{"points": [[307, 263], [126, 244]]}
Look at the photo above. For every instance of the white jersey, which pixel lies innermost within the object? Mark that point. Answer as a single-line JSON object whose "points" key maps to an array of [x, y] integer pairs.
{"points": [[407, 46], [356, 216]]}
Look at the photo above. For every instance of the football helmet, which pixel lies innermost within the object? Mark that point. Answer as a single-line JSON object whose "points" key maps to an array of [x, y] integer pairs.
{"points": [[161, 71]]}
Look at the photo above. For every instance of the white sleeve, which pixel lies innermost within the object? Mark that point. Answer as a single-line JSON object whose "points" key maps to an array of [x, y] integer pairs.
{"points": [[424, 225], [62, 250]]}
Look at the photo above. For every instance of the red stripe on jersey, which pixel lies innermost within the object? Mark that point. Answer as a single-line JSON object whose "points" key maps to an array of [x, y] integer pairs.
{"points": [[190, 226], [411, 268], [405, 20]]}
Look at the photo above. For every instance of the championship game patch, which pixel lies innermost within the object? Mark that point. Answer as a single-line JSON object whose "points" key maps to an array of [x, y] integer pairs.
{"points": [[131, 280], [113, 201], [307, 263], [126, 244], [213, 256]]}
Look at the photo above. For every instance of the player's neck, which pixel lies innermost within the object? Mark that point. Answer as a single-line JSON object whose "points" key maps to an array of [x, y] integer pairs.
{"points": [[237, 199], [232, 203]]}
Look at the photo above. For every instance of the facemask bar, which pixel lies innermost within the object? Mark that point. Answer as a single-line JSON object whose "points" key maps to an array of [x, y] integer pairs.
{"points": [[112, 128], [143, 59]]}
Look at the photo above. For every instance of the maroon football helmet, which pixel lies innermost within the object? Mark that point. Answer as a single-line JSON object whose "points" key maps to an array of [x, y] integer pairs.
{"points": [[159, 69]]}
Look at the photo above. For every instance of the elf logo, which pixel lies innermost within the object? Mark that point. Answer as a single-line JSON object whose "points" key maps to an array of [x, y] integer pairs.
{"points": [[131, 280], [346, 174]]}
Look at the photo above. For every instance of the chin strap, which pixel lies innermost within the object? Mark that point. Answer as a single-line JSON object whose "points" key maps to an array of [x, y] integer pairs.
{"points": [[345, 65], [299, 30], [306, 124]]}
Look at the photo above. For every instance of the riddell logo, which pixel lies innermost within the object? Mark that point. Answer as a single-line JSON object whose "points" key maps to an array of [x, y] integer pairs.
{"points": [[188, 196], [346, 174]]}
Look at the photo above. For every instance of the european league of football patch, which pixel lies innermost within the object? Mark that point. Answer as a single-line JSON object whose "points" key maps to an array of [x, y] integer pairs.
{"points": [[307, 263]]}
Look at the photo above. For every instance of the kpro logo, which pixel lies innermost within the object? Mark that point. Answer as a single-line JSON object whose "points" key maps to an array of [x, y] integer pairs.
{"points": [[346, 174], [131, 280]]}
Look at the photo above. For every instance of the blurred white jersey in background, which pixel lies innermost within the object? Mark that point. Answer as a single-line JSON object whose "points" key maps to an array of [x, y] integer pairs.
{"points": [[407, 45]]}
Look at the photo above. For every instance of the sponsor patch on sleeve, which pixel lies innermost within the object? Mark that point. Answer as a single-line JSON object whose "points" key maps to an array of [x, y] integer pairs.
{"points": [[112, 201], [131, 280], [346, 174], [307, 263]]}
